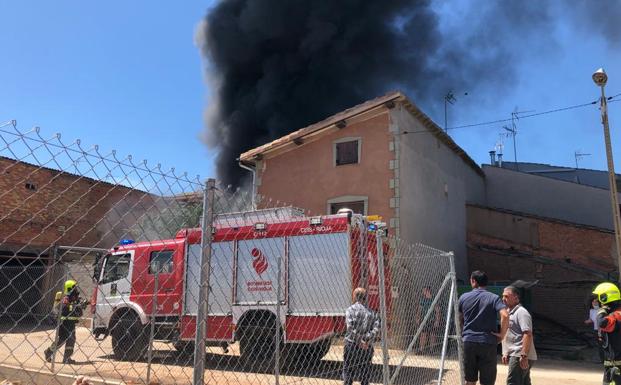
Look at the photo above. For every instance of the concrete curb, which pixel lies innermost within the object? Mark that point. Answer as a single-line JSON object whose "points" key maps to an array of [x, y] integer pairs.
{"points": [[25, 376]]}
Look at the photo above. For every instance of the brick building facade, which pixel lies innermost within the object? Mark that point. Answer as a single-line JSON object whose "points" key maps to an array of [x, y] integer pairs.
{"points": [[41, 208], [567, 259]]}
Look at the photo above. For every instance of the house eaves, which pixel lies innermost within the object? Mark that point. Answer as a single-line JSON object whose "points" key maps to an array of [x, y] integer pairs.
{"points": [[340, 120]]}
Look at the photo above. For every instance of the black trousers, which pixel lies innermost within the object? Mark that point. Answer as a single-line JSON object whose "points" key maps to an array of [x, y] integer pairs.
{"points": [[480, 362], [517, 375], [356, 364], [66, 336]]}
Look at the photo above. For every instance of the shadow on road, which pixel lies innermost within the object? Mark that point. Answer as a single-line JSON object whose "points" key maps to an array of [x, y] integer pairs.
{"points": [[324, 369], [9, 325]]}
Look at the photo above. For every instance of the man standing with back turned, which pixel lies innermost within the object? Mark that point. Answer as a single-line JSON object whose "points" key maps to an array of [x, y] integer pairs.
{"points": [[479, 309], [362, 329]]}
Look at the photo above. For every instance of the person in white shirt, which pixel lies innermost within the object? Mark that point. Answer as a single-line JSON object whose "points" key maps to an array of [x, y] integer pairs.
{"points": [[592, 320], [593, 314]]}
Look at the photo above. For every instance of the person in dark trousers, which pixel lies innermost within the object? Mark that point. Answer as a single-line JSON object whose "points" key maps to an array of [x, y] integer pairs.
{"points": [[518, 348], [71, 308], [478, 310], [609, 322], [428, 336], [362, 329]]}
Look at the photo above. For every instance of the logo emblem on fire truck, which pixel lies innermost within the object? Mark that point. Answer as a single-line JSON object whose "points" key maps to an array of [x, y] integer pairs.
{"points": [[259, 261]]}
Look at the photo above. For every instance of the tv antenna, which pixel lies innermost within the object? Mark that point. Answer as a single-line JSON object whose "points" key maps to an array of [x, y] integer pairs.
{"points": [[449, 98], [512, 131], [500, 144], [579, 155]]}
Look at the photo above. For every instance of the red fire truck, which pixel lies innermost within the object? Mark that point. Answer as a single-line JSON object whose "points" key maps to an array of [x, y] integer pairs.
{"points": [[321, 260]]}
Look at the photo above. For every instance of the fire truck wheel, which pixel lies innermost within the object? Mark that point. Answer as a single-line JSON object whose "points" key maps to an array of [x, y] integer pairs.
{"points": [[184, 347], [130, 339], [256, 347], [318, 350], [302, 355]]}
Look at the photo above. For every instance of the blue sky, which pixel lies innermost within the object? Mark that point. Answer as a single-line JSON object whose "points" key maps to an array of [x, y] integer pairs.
{"points": [[124, 75], [128, 76]]}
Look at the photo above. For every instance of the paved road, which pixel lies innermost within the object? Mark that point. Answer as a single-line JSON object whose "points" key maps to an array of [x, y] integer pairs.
{"points": [[25, 349]]}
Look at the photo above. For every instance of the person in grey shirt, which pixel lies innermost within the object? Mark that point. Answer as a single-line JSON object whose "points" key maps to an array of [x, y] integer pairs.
{"points": [[518, 348], [362, 328]]}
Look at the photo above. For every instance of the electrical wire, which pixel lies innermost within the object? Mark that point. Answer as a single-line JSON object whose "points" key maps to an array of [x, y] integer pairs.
{"points": [[610, 99]]}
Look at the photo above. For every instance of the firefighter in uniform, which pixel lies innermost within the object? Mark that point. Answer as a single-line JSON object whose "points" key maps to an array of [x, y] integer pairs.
{"points": [[609, 323], [71, 307]]}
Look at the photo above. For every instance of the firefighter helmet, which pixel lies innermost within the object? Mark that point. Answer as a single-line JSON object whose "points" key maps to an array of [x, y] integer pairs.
{"points": [[70, 285], [607, 292]]}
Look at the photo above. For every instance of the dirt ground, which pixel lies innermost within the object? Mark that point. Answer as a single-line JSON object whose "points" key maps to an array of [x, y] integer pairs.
{"points": [[556, 372], [94, 358]]}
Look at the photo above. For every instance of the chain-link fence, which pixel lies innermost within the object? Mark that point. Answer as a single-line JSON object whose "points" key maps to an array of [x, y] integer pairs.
{"points": [[174, 275]]}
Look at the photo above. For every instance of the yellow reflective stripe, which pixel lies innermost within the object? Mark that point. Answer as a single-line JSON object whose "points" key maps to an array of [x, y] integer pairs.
{"points": [[70, 318], [612, 363]]}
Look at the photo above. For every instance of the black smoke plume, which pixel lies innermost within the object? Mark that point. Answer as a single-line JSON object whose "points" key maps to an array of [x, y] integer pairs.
{"points": [[275, 66]]}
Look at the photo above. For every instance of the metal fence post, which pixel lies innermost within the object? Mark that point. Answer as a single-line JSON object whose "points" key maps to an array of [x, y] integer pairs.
{"points": [[448, 323], [277, 331], [59, 316], [383, 312], [203, 296], [152, 329], [457, 320]]}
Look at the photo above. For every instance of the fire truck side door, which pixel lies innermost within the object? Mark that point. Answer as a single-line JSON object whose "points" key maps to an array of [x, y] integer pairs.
{"points": [[168, 262], [220, 279]]}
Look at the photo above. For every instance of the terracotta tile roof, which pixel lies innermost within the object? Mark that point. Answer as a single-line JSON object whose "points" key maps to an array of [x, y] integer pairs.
{"points": [[378, 103]]}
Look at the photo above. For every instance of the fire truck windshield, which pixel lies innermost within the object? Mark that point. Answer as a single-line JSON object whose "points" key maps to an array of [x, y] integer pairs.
{"points": [[116, 267]]}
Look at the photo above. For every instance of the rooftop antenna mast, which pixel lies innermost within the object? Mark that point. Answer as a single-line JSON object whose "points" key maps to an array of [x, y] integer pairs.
{"points": [[578, 155], [499, 147], [515, 115], [449, 98]]}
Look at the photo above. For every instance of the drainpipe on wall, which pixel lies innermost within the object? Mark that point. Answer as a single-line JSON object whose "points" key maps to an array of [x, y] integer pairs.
{"points": [[254, 175]]}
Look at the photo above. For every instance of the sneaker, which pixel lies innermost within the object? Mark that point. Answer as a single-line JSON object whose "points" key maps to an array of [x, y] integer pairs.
{"points": [[48, 355]]}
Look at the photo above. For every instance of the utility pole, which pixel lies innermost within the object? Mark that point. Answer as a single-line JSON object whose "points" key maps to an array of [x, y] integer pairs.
{"points": [[513, 132], [600, 78]]}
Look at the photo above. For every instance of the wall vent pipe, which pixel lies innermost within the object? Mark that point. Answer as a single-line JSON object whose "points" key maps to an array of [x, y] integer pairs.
{"points": [[492, 157]]}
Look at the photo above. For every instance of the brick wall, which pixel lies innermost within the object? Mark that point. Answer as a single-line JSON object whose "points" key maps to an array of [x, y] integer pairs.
{"points": [[40, 207], [567, 259]]}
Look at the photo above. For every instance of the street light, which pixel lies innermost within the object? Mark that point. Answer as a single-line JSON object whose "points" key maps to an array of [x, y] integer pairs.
{"points": [[600, 78]]}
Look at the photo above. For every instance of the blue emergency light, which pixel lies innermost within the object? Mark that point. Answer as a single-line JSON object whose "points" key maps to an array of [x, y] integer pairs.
{"points": [[372, 226], [124, 242]]}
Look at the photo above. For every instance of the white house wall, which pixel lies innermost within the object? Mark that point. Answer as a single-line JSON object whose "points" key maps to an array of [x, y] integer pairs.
{"points": [[434, 186]]}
